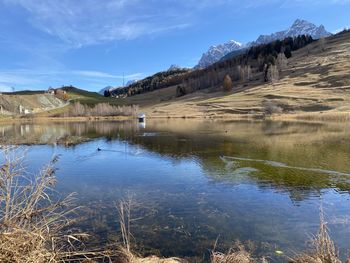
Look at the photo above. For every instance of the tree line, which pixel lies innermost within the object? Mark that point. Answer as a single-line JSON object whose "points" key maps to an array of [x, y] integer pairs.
{"points": [[261, 62]]}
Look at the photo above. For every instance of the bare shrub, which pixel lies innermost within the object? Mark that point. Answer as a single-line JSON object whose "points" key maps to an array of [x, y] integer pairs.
{"points": [[272, 73], [102, 109], [237, 254], [322, 43], [245, 73], [78, 109], [270, 107], [281, 61], [227, 85]]}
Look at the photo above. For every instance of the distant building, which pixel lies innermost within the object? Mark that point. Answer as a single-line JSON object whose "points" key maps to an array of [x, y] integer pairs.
{"points": [[23, 110], [142, 118], [51, 91], [60, 92]]}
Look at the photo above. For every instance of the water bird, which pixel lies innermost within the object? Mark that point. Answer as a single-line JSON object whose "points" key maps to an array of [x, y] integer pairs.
{"points": [[99, 149]]}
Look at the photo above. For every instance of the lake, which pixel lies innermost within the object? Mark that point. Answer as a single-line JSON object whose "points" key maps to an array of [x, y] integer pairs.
{"points": [[193, 182]]}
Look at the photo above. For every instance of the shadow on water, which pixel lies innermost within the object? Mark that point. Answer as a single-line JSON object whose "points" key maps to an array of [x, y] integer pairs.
{"points": [[197, 180]]}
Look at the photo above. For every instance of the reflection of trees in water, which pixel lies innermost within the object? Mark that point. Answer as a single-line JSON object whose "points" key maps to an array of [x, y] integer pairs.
{"points": [[276, 127], [297, 144], [64, 133], [296, 151]]}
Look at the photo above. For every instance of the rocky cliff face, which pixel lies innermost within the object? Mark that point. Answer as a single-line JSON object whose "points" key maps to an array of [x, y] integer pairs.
{"points": [[215, 53], [299, 27]]}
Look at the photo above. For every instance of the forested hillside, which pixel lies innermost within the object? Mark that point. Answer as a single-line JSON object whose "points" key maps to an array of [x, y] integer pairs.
{"points": [[261, 62]]}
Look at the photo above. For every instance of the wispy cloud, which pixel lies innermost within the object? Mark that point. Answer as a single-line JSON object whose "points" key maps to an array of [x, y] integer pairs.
{"points": [[99, 74], [89, 22], [27, 79], [92, 21], [40, 33]]}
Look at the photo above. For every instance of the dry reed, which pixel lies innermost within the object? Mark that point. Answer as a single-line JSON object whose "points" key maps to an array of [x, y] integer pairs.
{"points": [[237, 254], [100, 109], [31, 221], [34, 224], [323, 248]]}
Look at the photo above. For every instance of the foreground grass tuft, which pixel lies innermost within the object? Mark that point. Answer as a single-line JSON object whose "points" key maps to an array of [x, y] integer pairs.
{"points": [[32, 224], [237, 254], [323, 248]]}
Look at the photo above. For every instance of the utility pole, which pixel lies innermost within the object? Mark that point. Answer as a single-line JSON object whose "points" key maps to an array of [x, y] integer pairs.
{"points": [[123, 80]]}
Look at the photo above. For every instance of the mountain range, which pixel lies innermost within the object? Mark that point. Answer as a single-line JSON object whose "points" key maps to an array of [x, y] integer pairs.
{"points": [[299, 27], [215, 53], [110, 88]]}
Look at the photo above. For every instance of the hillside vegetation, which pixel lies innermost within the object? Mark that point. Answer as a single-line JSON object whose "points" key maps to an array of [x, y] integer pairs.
{"points": [[42, 103], [294, 78], [314, 80]]}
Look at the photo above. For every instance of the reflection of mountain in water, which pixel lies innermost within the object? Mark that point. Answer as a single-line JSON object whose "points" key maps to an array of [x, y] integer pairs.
{"points": [[306, 146]]}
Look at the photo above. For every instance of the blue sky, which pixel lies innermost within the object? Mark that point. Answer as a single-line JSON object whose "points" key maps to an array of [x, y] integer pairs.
{"points": [[92, 43]]}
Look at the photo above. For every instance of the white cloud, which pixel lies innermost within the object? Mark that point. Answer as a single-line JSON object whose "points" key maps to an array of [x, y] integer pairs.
{"points": [[38, 79], [99, 74], [93, 21], [88, 22]]}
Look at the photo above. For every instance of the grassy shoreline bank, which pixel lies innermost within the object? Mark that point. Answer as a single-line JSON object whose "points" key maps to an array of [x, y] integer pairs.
{"points": [[64, 119], [297, 117]]}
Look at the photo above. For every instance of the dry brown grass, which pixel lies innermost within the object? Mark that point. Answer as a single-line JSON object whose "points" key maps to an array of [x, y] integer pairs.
{"points": [[323, 248], [124, 211], [33, 222], [314, 80], [237, 254], [329, 116]]}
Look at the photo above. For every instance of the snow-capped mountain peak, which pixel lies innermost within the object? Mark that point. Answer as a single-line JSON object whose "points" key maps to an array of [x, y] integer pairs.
{"points": [[215, 53], [174, 67], [299, 27]]}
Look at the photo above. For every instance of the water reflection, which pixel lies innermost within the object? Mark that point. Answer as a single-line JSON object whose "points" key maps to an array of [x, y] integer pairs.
{"points": [[197, 180], [296, 157]]}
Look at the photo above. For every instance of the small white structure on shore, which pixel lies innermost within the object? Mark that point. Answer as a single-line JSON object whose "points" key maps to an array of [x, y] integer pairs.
{"points": [[23, 110], [141, 117]]}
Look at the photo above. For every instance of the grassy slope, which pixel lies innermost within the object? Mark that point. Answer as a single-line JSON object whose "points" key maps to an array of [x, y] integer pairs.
{"points": [[34, 100], [315, 81], [88, 97]]}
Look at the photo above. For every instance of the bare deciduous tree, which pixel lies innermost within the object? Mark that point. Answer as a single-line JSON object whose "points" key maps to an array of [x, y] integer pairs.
{"points": [[245, 73], [322, 43], [281, 61], [271, 73], [102, 109], [227, 83]]}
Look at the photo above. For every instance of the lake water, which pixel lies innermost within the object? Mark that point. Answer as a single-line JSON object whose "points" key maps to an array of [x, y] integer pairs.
{"points": [[193, 182]]}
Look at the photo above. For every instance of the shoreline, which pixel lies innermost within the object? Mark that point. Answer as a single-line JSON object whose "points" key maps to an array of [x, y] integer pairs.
{"points": [[312, 117], [65, 119]]}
